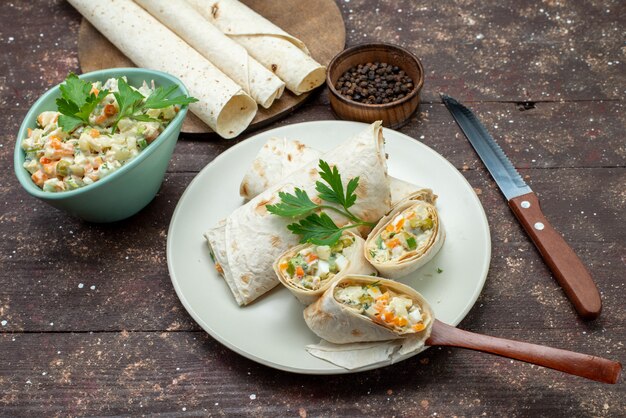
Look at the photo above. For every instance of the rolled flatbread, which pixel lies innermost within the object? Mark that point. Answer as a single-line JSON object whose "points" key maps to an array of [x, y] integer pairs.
{"points": [[222, 104], [248, 242], [279, 157], [280, 52], [276, 159], [227, 55], [357, 309], [357, 332], [406, 238], [307, 270]]}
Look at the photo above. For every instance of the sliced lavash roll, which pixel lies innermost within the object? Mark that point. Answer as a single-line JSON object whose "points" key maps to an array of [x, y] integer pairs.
{"points": [[280, 52], [406, 191], [392, 233], [222, 104], [279, 157], [227, 55], [246, 245], [353, 262], [339, 322]]}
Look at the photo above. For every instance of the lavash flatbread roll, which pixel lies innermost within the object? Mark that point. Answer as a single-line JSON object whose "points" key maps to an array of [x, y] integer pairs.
{"points": [[321, 266], [276, 159], [407, 191], [279, 157], [250, 239], [222, 104], [227, 55], [357, 309], [406, 238], [280, 52]]}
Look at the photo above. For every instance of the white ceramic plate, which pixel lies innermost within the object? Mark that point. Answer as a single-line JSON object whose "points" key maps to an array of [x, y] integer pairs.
{"points": [[271, 330]]}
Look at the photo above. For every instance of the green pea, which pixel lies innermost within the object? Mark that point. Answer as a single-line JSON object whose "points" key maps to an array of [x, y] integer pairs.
{"points": [[63, 168]]}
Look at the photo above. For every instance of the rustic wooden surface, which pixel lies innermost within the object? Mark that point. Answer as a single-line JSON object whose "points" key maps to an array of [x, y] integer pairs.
{"points": [[547, 78], [95, 52]]}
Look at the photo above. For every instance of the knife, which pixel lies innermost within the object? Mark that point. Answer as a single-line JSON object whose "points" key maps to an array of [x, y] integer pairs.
{"points": [[567, 268]]}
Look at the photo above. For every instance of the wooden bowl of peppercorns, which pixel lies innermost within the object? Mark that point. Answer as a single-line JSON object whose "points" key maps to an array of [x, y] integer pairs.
{"points": [[373, 82]]}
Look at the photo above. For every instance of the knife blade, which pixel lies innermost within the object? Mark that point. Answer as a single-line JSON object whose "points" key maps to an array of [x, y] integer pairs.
{"points": [[568, 269]]}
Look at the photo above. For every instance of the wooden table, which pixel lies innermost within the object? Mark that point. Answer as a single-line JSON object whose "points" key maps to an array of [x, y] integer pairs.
{"points": [[90, 323]]}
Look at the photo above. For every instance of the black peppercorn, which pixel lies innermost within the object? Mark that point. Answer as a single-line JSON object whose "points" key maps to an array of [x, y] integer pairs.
{"points": [[374, 83]]}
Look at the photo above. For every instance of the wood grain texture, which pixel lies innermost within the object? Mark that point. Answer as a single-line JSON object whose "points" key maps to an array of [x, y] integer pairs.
{"points": [[578, 364], [127, 347], [566, 266], [95, 52], [136, 373]]}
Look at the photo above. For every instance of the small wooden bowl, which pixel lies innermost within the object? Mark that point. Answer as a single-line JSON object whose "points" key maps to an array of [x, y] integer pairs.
{"points": [[392, 114]]}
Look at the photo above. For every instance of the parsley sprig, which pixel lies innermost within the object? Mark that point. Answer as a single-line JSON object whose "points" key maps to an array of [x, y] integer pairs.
{"points": [[76, 103], [132, 103], [316, 226], [78, 100]]}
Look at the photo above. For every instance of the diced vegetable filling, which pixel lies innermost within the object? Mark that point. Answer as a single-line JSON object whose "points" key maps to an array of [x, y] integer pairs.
{"points": [[409, 231], [383, 306], [59, 161], [315, 265]]}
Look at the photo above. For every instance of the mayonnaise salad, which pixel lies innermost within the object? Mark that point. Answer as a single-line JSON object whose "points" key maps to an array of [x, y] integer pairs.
{"points": [[58, 160], [409, 231], [383, 306], [314, 265]]}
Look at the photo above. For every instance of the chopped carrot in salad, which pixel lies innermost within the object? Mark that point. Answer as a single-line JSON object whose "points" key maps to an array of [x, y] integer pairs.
{"points": [[60, 161], [383, 306], [314, 265], [407, 232]]}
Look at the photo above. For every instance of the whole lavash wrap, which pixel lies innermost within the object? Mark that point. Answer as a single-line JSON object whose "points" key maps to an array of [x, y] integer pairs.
{"points": [[222, 104], [246, 244], [279, 157], [357, 264], [415, 259], [352, 340], [280, 52], [227, 55]]}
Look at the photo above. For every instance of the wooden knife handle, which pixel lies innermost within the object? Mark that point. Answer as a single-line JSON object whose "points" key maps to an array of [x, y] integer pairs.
{"points": [[583, 365], [567, 268]]}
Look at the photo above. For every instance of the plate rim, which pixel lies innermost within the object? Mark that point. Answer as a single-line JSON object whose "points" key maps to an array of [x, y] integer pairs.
{"points": [[338, 370]]}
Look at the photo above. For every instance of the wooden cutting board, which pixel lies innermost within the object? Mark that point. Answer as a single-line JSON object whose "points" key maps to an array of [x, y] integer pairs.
{"points": [[318, 23]]}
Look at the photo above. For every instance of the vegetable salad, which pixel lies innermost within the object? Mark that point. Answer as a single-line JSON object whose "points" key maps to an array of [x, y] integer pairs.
{"points": [[97, 129], [407, 232], [383, 306], [314, 265]]}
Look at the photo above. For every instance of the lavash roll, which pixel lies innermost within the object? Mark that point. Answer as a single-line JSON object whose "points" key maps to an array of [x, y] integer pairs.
{"points": [[357, 264], [248, 242], [409, 191], [278, 51], [279, 157], [276, 159], [227, 55], [414, 259], [339, 324], [222, 104]]}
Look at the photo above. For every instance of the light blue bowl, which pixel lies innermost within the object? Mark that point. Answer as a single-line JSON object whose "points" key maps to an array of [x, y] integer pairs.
{"points": [[125, 191]]}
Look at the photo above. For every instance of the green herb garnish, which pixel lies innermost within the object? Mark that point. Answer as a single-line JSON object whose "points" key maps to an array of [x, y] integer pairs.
{"points": [[132, 103], [319, 228], [439, 270], [335, 192], [78, 100], [76, 103]]}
